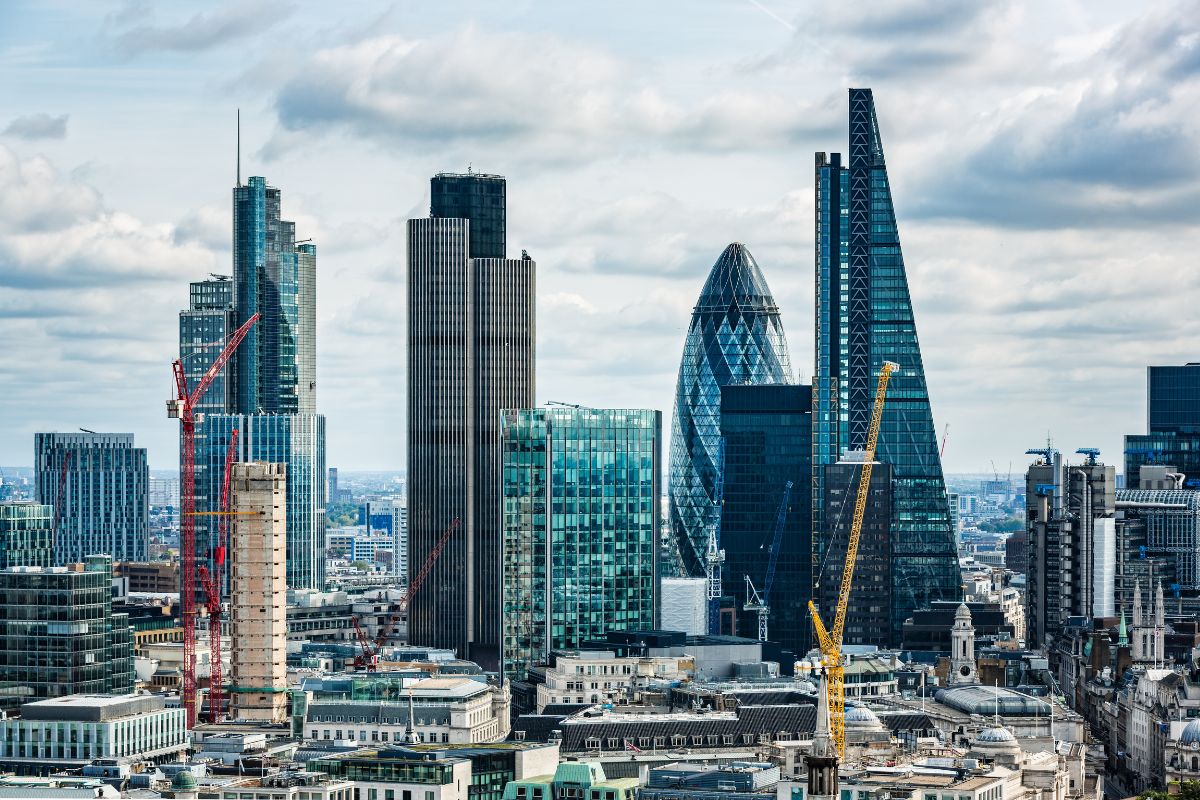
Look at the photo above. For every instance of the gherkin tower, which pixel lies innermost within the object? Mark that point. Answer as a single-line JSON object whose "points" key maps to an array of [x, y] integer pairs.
{"points": [[735, 337]]}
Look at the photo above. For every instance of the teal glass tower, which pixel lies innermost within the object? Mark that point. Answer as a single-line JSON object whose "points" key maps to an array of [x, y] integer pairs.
{"points": [[864, 317], [580, 504], [735, 337]]}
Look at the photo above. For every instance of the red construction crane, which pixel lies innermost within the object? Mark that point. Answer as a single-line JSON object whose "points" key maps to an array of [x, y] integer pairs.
{"points": [[182, 407], [369, 657], [212, 583]]}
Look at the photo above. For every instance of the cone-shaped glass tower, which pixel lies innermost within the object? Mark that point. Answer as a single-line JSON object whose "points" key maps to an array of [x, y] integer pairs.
{"points": [[736, 337]]}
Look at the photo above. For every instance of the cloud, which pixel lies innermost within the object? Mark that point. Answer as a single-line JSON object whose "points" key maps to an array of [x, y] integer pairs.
{"points": [[230, 22], [552, 98], [56, 232], [38, 126]]}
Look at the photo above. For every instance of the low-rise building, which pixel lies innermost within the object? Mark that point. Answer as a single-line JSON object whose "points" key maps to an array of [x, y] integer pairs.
{"points": [[149, 577], [575, 780], [737, 780], [600, 676], [69, 732], [285, 785], [444, 710]]}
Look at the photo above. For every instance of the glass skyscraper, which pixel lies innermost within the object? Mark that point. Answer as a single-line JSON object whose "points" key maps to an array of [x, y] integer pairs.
{"points": [[735, 337], [581, 503], [275, 276], [1172, 425], [471, 347], [295, 440], [768, 442], [105, 494], [26, 535], [864, 317]]}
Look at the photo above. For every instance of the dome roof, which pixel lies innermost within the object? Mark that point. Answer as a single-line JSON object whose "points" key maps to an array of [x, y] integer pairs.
{"points": [[858, 716], [995, 736], [1190, 733], [184, 781]]}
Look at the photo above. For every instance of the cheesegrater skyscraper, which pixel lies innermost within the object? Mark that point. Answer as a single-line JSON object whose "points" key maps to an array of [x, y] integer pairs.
{"points": [[864, 317]]}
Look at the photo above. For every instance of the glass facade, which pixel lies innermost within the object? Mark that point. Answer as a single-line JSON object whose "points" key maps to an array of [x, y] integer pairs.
{"points": [[864, 317], [276, 364], [735, 337], [474, 197], [1173, 425], [768, 442], [58, 635], [296, 440], [26, 535], [105, 494], [581, 497]]}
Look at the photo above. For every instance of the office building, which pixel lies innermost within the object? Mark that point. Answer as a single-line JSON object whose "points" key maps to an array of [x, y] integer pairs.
{"points": [[204, 328], [59, 635], [1172, 435], [1072, 544], [103, 481], [581, 501], [864, 316], [26, 535], [298, 442], [274, 276], [735, 337], [768, 457], [69, 732], [257, 616], [478, 198], [471, 344], [871, 610]]}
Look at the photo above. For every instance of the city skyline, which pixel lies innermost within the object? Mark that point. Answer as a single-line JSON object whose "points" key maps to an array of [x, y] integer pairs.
{"points": [[991, 269]]}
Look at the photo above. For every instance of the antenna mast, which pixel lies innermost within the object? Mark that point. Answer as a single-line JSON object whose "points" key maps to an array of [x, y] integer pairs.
{"points": [[239, 147]]}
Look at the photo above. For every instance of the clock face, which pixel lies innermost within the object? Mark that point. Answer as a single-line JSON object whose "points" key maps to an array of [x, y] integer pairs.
{"points": [[964, 670]]}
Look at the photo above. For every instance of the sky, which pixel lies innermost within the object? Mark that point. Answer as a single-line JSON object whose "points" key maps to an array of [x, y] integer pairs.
{"points": [[1043, 159]]}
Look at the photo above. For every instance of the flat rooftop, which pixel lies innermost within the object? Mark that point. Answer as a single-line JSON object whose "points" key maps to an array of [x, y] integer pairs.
{"points": [[92, 707]]}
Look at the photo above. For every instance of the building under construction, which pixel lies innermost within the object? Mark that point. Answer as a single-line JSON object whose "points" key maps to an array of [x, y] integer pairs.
{"points": [[257, 606]]}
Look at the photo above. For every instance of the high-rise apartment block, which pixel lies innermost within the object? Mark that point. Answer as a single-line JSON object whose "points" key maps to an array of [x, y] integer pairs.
{"points": [[26, 535], [59, 635], [581, 503], [294, 440], [103, 481], [768, 458], [864, 316], [257, 607], [1172, 435], [471, 337], [735, 337], [1070, 514], [871, 609]]}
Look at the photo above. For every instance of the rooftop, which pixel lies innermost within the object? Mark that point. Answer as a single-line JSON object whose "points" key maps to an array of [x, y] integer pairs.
{"points": [[92, 707]]}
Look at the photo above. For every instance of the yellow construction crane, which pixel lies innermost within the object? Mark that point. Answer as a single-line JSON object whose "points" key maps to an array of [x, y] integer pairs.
{"points": [[831, 643]]}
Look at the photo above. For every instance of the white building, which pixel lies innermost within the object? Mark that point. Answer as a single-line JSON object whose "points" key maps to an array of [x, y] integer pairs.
{"points": [[285, 786], [447, 710], [75, 729], [599, 676]]}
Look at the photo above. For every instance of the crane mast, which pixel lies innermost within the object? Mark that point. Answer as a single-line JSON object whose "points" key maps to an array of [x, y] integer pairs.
{"points": [[830, 642], [716, 556], [183, 408]]}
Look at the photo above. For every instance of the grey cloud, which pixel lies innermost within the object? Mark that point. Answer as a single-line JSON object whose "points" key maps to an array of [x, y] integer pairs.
{"points": [[38, 126], [551, 99], [204, 31]]}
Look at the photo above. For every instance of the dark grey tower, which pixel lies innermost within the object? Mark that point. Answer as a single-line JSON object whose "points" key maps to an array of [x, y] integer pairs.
{"points": [[470, 355]]}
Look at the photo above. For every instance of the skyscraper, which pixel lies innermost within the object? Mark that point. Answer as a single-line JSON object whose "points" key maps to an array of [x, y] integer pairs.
{"points": [[26, 535], [581, 503], [768, 443], [275, 276], [478, 198], [298, 442], [864, 317], [470, 355], [268, 389], [735, 337], [1172, 425], [105, 482]]}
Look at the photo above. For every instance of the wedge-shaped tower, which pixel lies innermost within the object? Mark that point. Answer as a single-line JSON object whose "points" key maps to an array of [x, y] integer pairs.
{"points": [[735, 337], [864, 317]]}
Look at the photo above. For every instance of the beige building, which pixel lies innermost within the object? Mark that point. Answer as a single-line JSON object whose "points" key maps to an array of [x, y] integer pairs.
{"points": [[600, 676], [258, 592]]}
